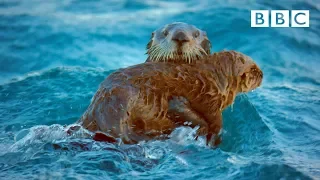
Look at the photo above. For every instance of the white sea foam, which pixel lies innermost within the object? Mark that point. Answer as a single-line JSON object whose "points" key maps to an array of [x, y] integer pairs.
{"points": [[42, 134]]}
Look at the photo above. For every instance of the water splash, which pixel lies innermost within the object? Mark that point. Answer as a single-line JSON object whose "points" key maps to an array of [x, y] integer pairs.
{"points": [[43, 134]]}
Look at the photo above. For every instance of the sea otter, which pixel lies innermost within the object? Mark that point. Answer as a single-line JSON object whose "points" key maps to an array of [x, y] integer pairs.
{"points": [[150, 100], [178, 42]]}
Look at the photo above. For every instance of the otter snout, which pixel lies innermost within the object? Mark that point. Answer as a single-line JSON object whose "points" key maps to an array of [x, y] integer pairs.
{"points": [[180, 37]]}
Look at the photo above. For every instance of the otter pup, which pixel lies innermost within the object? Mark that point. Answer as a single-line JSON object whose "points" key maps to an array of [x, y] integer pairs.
{"points": [[178, 42], [150, 100]]}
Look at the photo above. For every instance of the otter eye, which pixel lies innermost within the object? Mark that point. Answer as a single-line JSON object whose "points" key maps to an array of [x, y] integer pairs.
{"points": [[196, 34], [165, 32]]}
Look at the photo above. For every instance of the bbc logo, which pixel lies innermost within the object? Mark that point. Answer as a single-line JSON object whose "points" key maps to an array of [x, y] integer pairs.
{"points": [[280, 18]]}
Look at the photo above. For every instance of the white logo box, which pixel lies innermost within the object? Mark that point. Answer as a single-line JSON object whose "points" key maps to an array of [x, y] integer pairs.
{"points": [[280, 18]]}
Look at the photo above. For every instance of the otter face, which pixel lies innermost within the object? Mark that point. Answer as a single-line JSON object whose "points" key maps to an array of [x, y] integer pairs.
{"points": [[178, 42], [251, 79], [241, 67]]}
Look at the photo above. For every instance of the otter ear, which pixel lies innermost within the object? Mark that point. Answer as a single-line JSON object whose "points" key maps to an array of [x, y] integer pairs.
{"points": [[151, 41]]}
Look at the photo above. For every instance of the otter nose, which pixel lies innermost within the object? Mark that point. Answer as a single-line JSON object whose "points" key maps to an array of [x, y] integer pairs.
{"points": [[180, 37]]}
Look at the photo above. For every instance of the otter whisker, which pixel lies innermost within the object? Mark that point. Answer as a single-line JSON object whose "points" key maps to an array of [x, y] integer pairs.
{"points": [[171, 55], [157, 53], [184, 55], [188, 57], [188, 54], [166, 51], [153, 51], [162, 55], [197, 52], [166, 55], [171, 51], [202, 50], [163, 50], [153, 48]]}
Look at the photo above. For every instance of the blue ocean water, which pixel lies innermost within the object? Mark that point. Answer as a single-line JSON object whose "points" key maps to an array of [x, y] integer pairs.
{"points": [[54, 54]]}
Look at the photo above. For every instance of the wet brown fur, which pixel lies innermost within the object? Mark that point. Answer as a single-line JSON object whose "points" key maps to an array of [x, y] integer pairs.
{"points": [[132, 103]]}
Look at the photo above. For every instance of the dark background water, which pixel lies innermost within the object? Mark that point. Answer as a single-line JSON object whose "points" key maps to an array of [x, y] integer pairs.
{"points": [[54, 54]]}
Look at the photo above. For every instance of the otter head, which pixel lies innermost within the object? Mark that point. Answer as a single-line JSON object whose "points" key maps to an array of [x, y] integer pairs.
{"points": [[240, 67], [178, 42], [251, 79], [249, 74]]}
